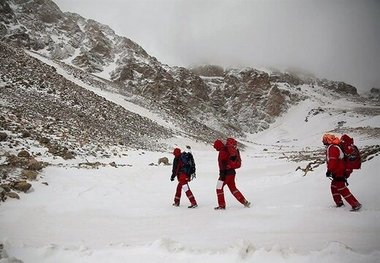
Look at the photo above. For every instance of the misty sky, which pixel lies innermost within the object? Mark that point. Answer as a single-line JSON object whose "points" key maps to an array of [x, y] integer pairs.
{"points": [[334, 39]]}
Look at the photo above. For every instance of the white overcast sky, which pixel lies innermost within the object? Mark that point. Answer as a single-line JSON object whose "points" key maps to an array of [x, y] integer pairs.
{"points": [[334, 39]]}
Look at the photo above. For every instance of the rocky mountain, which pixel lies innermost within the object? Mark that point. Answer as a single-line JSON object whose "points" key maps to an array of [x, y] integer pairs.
{"points": [[41, 103], [205, 102]]}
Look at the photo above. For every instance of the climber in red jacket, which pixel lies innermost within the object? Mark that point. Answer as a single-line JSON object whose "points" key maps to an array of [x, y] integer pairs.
{"points": [[226, 177], [336, 169]]}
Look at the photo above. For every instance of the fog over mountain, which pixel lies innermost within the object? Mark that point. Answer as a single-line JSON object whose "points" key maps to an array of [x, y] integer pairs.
{"points": [[337, 40]]}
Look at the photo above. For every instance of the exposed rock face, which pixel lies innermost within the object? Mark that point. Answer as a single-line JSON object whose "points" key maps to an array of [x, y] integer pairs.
{"points": [[339, 87], [291, 79], [251, 101], [205, 102], [374, 95], [56, 110], [208, 71], [375, 91]]}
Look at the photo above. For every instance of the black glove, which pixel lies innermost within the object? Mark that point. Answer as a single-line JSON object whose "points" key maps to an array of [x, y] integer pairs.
{"points": [[222, 175], [172, 178], [328, 174]]}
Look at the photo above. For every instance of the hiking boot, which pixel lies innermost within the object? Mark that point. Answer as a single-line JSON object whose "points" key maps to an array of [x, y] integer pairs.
{"points": [[339, 204], [192, 206], [220, 208], [356, 208], [175, 204], [247, 203]]}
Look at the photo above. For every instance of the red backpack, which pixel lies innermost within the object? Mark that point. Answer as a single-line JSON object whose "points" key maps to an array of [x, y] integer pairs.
{"points": [[234, 160], [351, 152]]}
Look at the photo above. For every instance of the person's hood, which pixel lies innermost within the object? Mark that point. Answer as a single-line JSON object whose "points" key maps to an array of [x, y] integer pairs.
{"points": [[218, 145], [177, 152]]}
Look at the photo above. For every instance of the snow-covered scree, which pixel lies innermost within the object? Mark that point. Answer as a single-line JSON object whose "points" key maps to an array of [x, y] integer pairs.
{"points": [[124, 214]]}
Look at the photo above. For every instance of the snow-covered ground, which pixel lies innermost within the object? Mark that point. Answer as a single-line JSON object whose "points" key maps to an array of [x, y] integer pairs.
{"points": [[125, 214]]}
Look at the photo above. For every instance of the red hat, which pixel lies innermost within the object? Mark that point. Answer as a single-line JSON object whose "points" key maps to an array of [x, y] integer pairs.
{"points": [[218, 145], [177, 152], [231, 141]]}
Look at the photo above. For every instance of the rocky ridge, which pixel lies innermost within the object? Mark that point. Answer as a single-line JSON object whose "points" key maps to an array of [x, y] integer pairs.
{"points": [[232, 102]]}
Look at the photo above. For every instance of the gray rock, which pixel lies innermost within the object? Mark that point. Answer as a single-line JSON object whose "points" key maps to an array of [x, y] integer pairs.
{"points": [[22, 186], [29, 174], [35, 165], [24, 154], [3, 136], [13, 195]]}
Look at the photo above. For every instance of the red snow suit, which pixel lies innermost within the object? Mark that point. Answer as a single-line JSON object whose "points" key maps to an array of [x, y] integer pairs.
{"points": [[226, 176], [336, 166], [335, 161]]}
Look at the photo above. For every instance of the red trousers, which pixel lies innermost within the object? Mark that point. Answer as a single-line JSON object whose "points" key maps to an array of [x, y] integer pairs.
{"points": [[339, 189], [183, 185], [230, 182]]}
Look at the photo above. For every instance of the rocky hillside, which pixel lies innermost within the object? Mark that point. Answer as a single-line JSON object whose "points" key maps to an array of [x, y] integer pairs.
{"points": [[206, 102], [41, 104]]}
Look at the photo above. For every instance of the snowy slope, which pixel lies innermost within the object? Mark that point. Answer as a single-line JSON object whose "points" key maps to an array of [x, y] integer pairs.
{"points": [[292, 129], [124, 214]]}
